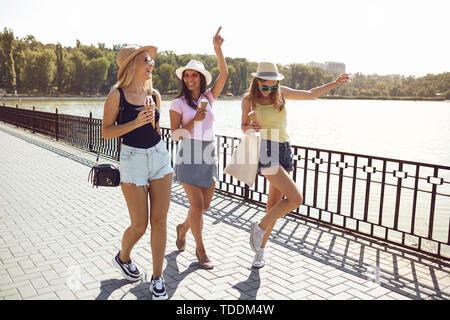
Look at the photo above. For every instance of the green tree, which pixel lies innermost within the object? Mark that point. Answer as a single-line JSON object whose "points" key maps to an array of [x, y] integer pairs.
{"points": [[59, 67], [165, 73], [111, 77], [9, 71], [96, 70], [79, 79], [39, 70]]}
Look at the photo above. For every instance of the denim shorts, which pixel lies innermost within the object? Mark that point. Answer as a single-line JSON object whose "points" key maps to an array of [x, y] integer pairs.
{"points": [[140, 166], [273, 153]]}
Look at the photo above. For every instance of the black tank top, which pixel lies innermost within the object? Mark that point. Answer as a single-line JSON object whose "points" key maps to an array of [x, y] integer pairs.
{"points": [[143, 137]]}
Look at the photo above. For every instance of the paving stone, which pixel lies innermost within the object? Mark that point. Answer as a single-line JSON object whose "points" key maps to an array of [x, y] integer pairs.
{"points": [[57, 243]]}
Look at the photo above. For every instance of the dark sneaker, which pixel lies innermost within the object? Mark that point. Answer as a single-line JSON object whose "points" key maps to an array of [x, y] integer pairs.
{"points": [[128, 269], [158, 289]]}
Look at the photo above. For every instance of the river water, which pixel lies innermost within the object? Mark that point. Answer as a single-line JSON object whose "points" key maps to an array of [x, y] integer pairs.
{"points": [[407, 130]]}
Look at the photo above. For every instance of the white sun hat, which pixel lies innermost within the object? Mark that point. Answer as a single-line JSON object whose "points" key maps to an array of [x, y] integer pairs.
{"points": [[267, 71], [197, 66]]}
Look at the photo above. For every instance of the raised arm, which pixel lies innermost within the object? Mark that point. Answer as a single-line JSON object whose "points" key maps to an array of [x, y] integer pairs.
{"points": [[223, 69], [294, 94]]}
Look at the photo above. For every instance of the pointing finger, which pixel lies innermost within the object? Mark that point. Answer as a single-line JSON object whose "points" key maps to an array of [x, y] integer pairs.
{"points": [[217, 33]]}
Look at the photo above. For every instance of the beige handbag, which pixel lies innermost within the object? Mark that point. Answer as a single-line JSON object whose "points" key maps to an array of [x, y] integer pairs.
{"points": [[244, 161]]}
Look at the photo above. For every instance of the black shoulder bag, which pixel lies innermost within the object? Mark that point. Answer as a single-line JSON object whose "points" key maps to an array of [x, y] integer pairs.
{"points": [[106, 175]]}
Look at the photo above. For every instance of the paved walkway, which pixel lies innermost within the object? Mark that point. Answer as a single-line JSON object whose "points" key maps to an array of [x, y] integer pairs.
{"points": [[58, 236]]}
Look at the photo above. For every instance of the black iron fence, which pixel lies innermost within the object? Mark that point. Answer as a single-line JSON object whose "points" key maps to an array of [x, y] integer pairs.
{"points": [[402, 202]]}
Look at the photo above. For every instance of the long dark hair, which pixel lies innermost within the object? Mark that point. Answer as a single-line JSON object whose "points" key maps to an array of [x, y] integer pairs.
{"points": [[186, 93]]}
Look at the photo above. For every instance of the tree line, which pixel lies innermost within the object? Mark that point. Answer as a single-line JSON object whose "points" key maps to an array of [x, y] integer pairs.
{"points": [[28, 66]]}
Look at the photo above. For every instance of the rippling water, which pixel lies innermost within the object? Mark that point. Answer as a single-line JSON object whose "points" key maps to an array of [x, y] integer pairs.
{"points": [[408, 130]]}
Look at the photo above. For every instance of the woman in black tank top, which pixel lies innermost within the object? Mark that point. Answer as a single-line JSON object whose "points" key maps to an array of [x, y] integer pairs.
{"points": [[142, 137], [145, 166]]}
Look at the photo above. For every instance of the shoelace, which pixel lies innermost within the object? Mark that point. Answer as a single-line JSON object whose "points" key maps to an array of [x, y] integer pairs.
{"points": [[130, 265], [260, 255], [158, 283]]}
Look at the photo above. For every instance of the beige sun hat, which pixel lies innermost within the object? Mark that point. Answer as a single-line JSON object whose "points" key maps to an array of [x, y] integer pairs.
{"points": [[197, 66], [127, 53], [267, 71]]}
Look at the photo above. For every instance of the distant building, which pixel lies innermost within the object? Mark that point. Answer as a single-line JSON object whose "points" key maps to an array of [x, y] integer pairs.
{"points": [[329, 66]]}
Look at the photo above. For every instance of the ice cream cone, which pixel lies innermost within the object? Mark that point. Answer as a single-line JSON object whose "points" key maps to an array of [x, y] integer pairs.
{"points": [[252, 116], [150, 104], [203, 103]]}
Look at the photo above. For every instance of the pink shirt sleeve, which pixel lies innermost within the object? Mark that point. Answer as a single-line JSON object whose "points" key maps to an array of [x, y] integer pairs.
{"points": [[176, 106]]}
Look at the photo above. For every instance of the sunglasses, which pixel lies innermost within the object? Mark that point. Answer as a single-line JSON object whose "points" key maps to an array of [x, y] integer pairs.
{"points": [[264, 88], [149, 61], [193, 75]]}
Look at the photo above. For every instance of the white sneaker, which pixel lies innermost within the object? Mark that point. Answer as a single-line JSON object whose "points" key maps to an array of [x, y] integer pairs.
{"points": [[256, 236], [258, 261], [158, 289]]}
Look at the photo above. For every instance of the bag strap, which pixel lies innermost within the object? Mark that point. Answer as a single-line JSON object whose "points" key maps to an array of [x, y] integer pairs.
{"points": [[121, 105]]}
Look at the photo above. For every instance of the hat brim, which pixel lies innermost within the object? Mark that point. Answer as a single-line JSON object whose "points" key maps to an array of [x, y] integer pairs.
{"points": [[204, 72], [150, 49], [265, 77]]}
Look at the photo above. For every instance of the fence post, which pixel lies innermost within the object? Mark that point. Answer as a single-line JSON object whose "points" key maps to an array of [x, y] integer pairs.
{"points": [[33, 117], [57, 125], [246, 192], [17, 116], [90, 132]]}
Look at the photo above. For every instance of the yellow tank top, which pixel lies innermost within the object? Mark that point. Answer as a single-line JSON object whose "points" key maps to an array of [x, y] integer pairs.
{"points": [[273, 122]]}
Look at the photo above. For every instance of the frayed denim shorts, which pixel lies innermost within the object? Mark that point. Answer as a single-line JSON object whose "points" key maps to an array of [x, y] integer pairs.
{"points": [[273, 153], [141, 166]]}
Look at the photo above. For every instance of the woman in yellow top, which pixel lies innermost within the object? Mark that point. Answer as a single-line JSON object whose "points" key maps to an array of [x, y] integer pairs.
{"points": [[267, 98]]}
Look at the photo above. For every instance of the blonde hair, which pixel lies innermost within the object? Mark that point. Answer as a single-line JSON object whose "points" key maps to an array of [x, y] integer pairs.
{"points": [[254, 94], [127, 78]]}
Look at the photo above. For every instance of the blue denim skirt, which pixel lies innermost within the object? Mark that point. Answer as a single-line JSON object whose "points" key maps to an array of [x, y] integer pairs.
{"points": [[196, 163]]}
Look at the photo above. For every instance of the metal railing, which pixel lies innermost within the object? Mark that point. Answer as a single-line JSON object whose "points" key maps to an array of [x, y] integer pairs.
{"points": [[397, 201]]}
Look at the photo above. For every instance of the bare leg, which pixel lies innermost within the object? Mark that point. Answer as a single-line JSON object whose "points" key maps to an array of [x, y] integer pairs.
{"points": [[194, 221], [283, 182], [274, 197], [159, 193], [137, 202], [207, 195]]}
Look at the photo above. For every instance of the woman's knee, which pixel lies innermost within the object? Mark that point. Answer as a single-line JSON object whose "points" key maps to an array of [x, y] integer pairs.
{"points": [[158, 222], [205, 206], [197, 207], [296, 199], [139, 228]]}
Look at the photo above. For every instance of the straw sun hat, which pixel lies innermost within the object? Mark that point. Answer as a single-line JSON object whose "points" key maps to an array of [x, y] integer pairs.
{"points": [[127, 53], [197, 66], [267, 71]]}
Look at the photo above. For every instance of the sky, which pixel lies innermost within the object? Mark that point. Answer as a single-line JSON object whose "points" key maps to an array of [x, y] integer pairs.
{"points": [[406, 37]]}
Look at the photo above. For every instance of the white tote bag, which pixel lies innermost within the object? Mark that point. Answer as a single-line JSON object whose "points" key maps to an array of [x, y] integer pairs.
{"points": [[244, 161]]}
